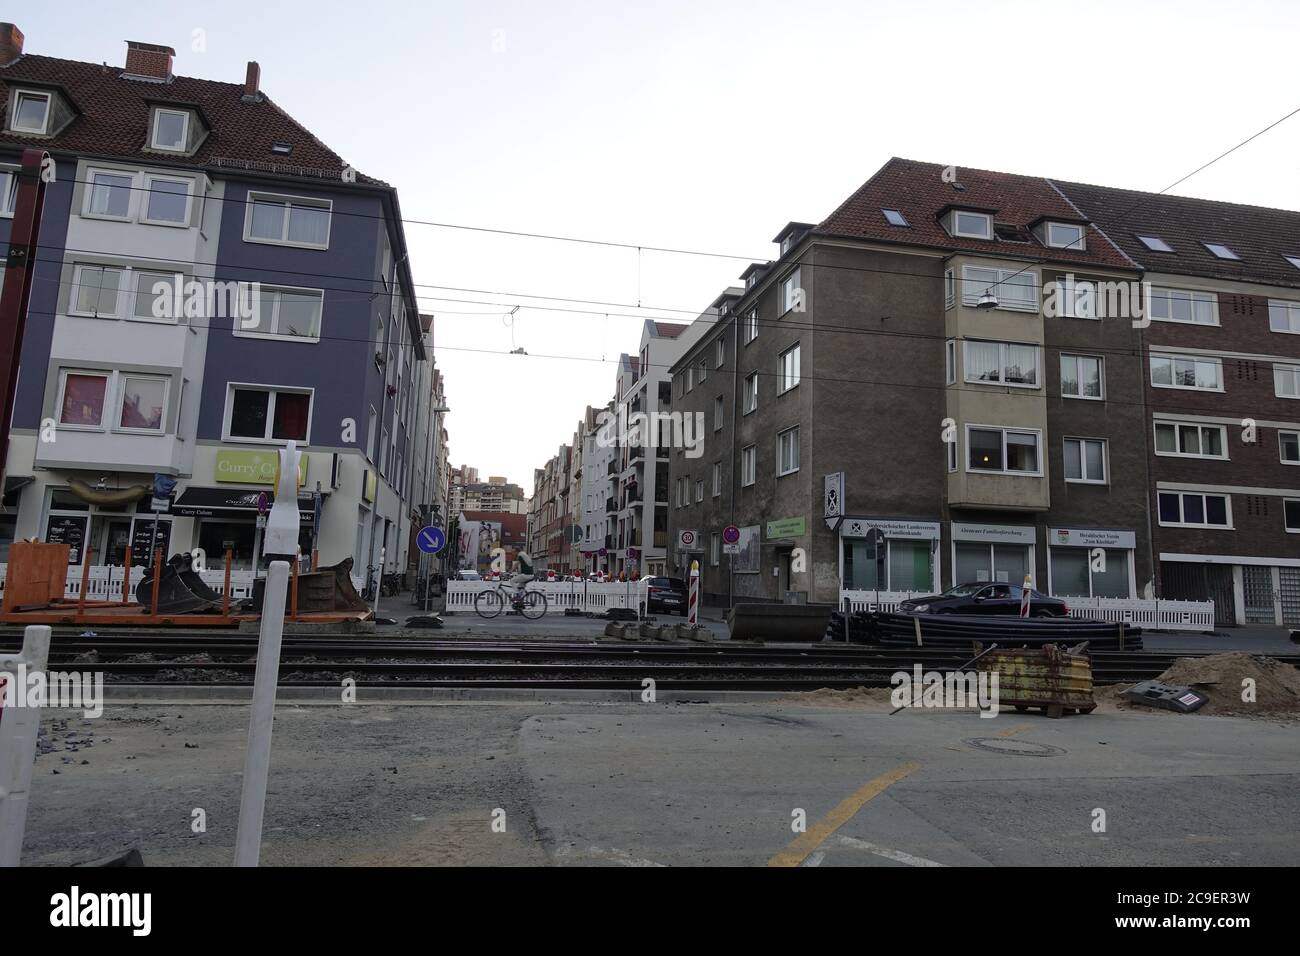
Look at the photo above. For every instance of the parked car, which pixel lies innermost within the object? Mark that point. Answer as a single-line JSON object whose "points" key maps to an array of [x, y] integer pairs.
{"points": [[984, 598], [666, 595], [467, 575]]}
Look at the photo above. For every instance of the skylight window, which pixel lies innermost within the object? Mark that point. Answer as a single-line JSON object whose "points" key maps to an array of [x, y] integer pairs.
{"points": [[1155, 244], [284, 149], [894, 217], [1220, 250], [1294, 260]]}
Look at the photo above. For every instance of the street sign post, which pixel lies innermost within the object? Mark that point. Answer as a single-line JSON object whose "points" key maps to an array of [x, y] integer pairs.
{"points": [[431, 540]]}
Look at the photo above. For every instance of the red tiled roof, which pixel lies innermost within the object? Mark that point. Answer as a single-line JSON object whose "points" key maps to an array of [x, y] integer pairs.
{"points": [[918, 191], [113, 119], [668, 330]]}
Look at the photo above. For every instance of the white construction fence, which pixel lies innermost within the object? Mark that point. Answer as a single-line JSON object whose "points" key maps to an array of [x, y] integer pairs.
{"points": [[586, 596]]}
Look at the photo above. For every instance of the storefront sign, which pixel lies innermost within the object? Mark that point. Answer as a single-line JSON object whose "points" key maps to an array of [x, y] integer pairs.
{"points": [[142, 537], [1092, 538], [785, 528], [64, 529], [252, 467], [891, 528], [993, 533]]}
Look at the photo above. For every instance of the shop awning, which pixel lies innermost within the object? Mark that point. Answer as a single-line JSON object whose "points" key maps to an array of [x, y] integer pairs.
{"points": [[228, 503]]}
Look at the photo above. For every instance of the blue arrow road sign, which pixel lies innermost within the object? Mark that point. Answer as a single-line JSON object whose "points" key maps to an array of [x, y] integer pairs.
{"points": [[431, 540]]}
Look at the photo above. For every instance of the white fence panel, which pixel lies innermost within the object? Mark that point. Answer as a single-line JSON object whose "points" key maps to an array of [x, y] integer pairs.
{"points": [[588, 597], [885, 601]]}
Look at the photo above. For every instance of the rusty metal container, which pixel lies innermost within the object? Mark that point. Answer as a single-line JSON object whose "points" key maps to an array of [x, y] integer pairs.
{"points": [[1055, 680]]}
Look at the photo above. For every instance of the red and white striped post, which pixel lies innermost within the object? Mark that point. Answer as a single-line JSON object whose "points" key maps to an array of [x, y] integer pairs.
{"points": [[693, 601]]}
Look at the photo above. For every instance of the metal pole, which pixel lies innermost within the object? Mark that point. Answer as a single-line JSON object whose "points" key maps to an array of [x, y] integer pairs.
{"points": [[257, 760], [18, 733], [380, 583]]}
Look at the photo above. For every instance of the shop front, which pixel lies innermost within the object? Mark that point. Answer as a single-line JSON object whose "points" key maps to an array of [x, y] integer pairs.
{"points": [[227, 521], [992, 553], [907, 560], [105, 530], [1091, 562]]}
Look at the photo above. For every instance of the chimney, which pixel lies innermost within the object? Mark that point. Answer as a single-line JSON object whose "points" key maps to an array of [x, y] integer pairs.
{"points": [[149, 60], [253, 81], [11, 43]]}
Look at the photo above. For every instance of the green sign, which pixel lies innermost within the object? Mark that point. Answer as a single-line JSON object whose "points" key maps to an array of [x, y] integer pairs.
{"points": [[785, 528], [253, 467]]}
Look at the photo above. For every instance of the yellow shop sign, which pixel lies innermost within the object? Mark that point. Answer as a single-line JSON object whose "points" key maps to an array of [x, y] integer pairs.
{"points": [[253, 467]]}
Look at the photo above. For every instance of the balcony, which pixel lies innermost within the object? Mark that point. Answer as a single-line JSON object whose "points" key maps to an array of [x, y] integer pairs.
{"points": [[611, 506]]}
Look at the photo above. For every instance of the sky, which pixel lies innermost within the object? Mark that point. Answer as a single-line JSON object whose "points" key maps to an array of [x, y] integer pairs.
{"points": [[703, 126]]}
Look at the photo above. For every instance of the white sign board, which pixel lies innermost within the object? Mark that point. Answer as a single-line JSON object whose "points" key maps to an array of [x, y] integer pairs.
{"points": [[993, 533], [1092, 538], [890, 528]]}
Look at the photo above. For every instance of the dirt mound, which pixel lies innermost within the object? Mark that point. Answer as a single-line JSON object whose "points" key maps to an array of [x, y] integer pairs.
{"points": [[1223, 679], [850, 697]]}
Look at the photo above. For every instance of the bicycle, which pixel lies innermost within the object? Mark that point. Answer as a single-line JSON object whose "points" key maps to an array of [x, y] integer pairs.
{"points": [[488, 604], [392, 584], [368, 590]]}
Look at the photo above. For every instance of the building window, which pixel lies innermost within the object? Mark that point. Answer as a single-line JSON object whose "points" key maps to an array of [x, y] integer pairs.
{"points": [[1015, 289], [952, 453], [1065, 235], [748, 465], [791, 292], [788, 376], [1286, 381], [142, 403], [690, 378], [715, 548], [751, 325], [704, 371], [1076, 298], [972, 225], [717, 479], [949, 289], [286, 313], [1002, 450], [82, 396], [288, 221], [1284, 316], [787, 451], [1179, 305], [1073, 574], [699, 490], [1085, 460], [1191, 441], [1291, 514], [95, 291], [894, 217], [31, 112], [751, 394], [167, 201], [1194, 510], [109, 195], [719, 352], [1081, 377], [1155, 244], [717, 413], [270, 415], [1289, 447], [1219, 250], [8, 191], [950, 362], [170, 130], [1174, 371], [1002, 363]]}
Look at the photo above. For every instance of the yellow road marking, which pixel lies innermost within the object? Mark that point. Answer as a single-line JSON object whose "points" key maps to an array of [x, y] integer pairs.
{"points": [[804, 844], [1013, 730]]}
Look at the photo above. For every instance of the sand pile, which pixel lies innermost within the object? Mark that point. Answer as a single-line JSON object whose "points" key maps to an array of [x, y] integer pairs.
{"points": [[1222, 678], [830, 697]]}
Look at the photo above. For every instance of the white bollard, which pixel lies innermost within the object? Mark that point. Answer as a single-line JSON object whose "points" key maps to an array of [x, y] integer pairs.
{"points": [[693, 602], [257, 761], [18, 733]]}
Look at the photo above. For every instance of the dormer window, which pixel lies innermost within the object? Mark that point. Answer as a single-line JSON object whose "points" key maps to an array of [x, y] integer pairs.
{"points": [[31, 113], [170, 130], [1220, 250], [785, 244], [972, 225], [1065, 235]]}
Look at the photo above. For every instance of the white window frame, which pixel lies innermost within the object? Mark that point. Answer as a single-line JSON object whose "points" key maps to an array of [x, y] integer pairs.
{"points": [[699, 490], [117, 425], [1280, 373], [953, 454], [1167, 294], [131, 190], [1291, 311], [750, 394], [748, 466], [133, 296], [719, 352], [288, 201], [781, 471], [1081, 232], [972, 289], [950, 362], [1227, 510], [986, 233], [1084, 478], [105, 374], [77, 269], [1178, 439], [1077, 298], [185, 130], [949, 288], [1004, 429], [1003, 354], [715, 548], [1174, 357], [274, 391], [787, 364], [274, 290], [1281, 433], [1078, 375], [717, 479], [790, 284], [147, 191], [49, 110], [719, 413], [8, 185], [751, 325]]}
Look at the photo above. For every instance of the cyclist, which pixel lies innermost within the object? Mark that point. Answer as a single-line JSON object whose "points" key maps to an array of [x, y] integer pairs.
{"points": [[525, 574]]}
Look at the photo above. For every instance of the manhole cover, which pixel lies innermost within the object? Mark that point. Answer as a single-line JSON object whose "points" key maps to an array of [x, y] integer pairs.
{"points": [[1014, 748]]}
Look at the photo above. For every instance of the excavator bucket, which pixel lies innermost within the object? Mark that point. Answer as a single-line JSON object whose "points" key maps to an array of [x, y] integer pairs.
{"points": [[180, 590], [327, 589]]}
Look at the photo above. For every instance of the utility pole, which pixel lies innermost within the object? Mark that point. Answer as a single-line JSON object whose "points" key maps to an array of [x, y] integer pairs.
{"points": [[37, 169]]}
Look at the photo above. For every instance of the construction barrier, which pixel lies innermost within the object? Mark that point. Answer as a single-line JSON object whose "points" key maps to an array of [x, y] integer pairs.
{"points": [[587, 597]]}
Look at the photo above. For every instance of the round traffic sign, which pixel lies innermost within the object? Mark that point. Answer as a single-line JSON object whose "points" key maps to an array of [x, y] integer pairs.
{"points": [[431, 540], [688, 537], [730, 534]]}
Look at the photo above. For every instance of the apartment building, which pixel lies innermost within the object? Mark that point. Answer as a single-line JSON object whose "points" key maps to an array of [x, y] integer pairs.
{"points": [[293, 317], [549, 516], [1222, 388], [598, 491], [495, 495], [898, 352]]}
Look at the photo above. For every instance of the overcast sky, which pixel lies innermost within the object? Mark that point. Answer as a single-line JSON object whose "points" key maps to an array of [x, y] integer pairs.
{"points": [[706, 126]]}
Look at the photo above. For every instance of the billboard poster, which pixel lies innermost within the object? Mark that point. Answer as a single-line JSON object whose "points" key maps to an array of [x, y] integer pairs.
{"points": [[476, 541], [746, 559]]}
